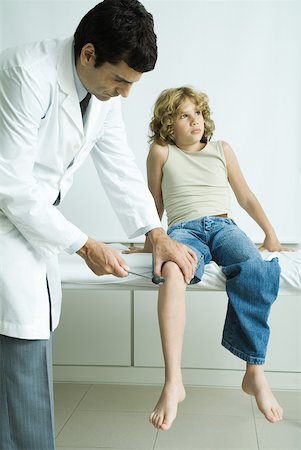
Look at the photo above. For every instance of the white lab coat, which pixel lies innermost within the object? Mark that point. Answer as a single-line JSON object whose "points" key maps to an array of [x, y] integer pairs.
{"points": [[41, 132]]}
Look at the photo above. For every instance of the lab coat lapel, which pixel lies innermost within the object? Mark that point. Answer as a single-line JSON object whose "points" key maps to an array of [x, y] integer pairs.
{"points": [[66, 82]]}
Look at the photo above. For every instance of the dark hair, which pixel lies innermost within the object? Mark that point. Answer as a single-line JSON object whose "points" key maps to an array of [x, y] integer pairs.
{"points": [[119, 30]]}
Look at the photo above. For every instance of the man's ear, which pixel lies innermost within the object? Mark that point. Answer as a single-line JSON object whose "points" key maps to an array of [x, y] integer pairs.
{"points": [[87, 55]]}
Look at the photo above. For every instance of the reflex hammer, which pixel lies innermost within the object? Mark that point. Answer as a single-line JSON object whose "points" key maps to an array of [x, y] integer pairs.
{"points": [[156, 279]]}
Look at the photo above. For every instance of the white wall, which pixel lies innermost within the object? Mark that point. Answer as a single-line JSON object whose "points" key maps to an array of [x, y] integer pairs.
{"points": [[244, 54]]}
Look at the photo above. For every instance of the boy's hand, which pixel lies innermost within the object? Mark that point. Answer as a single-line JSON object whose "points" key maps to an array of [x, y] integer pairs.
{"points": [[136, 250], [272, 244]]}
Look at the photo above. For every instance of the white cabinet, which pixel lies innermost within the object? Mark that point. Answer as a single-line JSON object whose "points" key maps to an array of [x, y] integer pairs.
{"points": [[284, 353], [205, 313], [95, 328], [204, 325], [107, 335]]}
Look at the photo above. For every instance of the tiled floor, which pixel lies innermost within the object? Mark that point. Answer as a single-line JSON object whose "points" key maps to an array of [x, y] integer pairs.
{"points": [[115, 417]]}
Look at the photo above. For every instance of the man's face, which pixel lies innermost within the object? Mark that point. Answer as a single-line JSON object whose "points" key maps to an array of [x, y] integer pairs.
{"points": [[108, 80]]}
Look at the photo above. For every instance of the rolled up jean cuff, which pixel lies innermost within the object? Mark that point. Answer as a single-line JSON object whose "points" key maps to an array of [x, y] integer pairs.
{"points": [[255, 360]]}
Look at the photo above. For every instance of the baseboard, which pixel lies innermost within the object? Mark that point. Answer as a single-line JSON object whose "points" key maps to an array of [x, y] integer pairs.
{"points": [[153, 376]]}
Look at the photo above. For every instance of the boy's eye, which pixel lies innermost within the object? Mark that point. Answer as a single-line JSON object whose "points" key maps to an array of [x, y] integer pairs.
{"points": [[183, 116], [198, 112]]}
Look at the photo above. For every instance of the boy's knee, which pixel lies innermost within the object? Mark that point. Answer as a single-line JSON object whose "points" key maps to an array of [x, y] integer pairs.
{"points": [[171, 270], [262, 269], [254, 265], [254, 274]]}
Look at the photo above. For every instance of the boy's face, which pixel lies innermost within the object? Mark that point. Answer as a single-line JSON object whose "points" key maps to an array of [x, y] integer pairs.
{"points": [[188, 125]]}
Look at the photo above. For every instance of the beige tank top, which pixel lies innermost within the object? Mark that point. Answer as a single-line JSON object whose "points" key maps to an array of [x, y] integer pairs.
{"points": [[195, 184]]}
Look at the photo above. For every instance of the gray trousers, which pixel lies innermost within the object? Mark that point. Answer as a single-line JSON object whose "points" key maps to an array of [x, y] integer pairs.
{"points": [[26, 394]]}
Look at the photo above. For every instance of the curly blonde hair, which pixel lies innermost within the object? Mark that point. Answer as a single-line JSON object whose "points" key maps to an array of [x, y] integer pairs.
{"points": [[167, 108]]}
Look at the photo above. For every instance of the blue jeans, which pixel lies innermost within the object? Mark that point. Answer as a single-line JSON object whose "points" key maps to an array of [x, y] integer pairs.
{"points": [[251, 283]]}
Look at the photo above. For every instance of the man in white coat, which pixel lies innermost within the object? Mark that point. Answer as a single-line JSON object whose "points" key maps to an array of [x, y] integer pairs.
{"points": [[59, 102]]}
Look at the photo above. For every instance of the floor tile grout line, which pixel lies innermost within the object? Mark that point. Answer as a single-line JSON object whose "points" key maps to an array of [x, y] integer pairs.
{"points": [[255, 423], [74, 409], [156, 438], [145, 412], [257, 418]]}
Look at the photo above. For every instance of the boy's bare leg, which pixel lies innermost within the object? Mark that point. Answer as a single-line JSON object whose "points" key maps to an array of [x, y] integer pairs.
{"points": [[255, 383], [171, 312]]}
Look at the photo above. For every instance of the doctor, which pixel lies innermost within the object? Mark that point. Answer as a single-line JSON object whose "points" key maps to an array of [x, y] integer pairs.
{"points": [[59, 102]]}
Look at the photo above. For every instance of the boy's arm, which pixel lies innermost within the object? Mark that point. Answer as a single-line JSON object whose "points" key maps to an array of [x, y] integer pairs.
{"points": [[155, 161], [248, 201]]}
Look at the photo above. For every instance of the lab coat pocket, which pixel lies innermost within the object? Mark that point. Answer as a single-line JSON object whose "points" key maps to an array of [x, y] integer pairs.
{"points": [[24, 306]]}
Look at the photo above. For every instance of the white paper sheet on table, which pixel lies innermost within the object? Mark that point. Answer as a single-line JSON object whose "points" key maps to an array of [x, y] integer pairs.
{"points": [[74, 272]]}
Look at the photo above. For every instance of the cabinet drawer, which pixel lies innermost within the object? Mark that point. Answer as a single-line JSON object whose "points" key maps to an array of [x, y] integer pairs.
{"points": [[95, 328]]}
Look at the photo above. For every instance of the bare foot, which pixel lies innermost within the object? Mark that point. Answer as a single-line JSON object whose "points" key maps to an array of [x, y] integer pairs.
{"points": [[165, 410], [255, 383]]}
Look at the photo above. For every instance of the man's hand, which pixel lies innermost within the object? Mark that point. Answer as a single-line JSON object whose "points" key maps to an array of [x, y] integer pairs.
{"points": [[165, 249], [102, 259]]}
